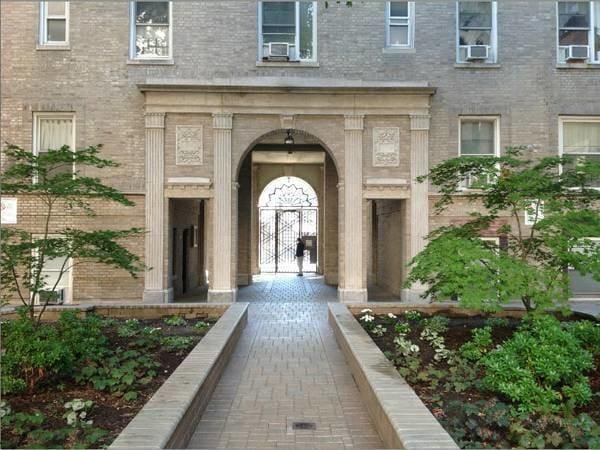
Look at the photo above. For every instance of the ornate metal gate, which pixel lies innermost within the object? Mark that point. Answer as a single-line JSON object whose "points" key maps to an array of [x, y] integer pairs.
{"points": [[279, 229], [287, 210]]}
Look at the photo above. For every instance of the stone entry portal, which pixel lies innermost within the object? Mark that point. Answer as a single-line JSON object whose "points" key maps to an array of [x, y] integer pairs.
{"points": [[372, 138]]}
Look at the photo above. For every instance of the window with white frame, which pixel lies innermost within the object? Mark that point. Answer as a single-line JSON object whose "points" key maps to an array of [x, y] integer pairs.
{"points": [[478, 136], [580, 139], [400, 21], [578, 31], [151, 33], [54, 23], [287, 31], [56, 278], [584, 286], [534, 212], [476, 31], [51, 132]]}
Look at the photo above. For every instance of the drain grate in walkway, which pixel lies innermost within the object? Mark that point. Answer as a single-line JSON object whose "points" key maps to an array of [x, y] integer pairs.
{"points": [[304, 426]]}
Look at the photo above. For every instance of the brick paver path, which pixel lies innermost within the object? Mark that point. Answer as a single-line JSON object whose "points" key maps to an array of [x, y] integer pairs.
{"points": [[286, 368]]}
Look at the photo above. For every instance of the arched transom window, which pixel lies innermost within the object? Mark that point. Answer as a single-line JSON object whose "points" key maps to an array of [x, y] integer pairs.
{"points": [[288, 192]]}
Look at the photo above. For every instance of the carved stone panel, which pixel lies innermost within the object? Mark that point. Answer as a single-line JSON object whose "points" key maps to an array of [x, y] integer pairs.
{"points": [[386, 147], [189, 150]]}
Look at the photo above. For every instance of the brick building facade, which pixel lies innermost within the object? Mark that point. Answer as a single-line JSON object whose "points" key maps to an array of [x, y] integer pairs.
{"points": [[194, 100]]}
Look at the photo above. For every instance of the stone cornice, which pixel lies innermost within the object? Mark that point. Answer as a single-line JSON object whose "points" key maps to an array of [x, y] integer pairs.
{"points": [[283, 84]]}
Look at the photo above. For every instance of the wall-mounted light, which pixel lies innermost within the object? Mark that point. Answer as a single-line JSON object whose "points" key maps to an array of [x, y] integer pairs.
{"points": [[289, 140]]}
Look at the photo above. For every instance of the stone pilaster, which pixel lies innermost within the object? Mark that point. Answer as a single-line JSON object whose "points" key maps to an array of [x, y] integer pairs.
{"points": [[155, 284], [222, 288], [418, 210], [354, 288]]}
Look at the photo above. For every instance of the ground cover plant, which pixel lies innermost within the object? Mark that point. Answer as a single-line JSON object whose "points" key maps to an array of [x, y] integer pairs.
{"points": [[496, 382], [77, 382]]}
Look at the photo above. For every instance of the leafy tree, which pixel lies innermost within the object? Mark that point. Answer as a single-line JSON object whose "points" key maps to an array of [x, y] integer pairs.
{"points": [[531, 265], [48, 178]]}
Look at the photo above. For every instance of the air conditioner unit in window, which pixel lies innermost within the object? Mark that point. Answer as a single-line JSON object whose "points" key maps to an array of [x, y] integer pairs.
{"points": [[477, 52], [278, 51], [577, 52], [56, 297]]}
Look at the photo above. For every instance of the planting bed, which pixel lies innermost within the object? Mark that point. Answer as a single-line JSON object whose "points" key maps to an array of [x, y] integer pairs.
{"points": [[468, 387], [144, 353]]}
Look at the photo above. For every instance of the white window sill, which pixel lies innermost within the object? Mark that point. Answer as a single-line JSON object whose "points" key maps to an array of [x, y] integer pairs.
{"points": [[152, 62], [578, 65], [397, 50], [306, 64], [60, 47], [467, 65]]}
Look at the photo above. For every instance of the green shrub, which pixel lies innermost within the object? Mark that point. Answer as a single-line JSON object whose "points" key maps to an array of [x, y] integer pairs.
{"points": [[479, 345], [34, 353], [175, 321], [587, 333], [437, 324], [201, 326], [540, 368]]}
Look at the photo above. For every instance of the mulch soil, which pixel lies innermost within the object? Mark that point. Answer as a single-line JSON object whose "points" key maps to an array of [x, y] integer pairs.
{"points": [[109, 412]]}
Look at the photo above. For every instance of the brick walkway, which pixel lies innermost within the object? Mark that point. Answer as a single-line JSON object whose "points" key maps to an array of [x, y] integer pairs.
{"points": [[286, 368]]}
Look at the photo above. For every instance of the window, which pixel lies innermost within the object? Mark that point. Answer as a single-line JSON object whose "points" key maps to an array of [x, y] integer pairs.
{"points": [[584, 285], [292, 24], [400, 24], [54, 23], [578, 25], [534, 212], [476, 32], [52, 131], [55, 290], [580, 138], [150, 30], [478, 137]]}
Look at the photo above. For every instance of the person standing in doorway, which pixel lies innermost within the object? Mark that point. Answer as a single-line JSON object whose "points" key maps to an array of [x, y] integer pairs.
{"points": [[300, 255]]}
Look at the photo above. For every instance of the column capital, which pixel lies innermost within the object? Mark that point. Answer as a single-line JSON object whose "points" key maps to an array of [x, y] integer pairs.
{"points": [[419, 121], [354, 122], [223, 120], [155, 120]]}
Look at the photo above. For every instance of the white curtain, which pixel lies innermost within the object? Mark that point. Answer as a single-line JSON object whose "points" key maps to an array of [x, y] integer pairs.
{"points": [[54, 133], [581, 137]]}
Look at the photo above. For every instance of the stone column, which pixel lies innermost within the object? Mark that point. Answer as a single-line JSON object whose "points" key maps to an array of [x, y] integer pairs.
{"points": [[155, 290], [418, 205], [222, 288], [354, 288]]}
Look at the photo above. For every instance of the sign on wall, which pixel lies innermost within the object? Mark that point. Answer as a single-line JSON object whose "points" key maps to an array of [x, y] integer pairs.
{"points": [[188, 145], [9, 210], [386, 147]]}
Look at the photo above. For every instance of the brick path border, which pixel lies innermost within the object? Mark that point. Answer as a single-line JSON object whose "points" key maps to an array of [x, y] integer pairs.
{"points": [[401, 418], [171, 415]]}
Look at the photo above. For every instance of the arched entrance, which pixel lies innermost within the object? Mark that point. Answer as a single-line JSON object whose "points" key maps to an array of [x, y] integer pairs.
{"points": [[287, 210], [287, 190]]}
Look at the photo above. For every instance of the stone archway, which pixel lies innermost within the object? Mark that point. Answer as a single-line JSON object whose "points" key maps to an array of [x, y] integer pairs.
{"points": [[267, 159]]}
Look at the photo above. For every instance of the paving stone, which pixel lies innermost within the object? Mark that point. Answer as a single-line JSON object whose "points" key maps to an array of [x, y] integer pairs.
{"points": [[286, 368]]}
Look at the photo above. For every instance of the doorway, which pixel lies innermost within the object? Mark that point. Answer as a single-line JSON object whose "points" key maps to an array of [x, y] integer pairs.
{"points": [[288, 210]]}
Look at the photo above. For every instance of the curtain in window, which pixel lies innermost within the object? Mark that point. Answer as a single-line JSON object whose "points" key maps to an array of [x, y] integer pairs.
{"points": [[54, 133], [477, 138], [581, 137]]}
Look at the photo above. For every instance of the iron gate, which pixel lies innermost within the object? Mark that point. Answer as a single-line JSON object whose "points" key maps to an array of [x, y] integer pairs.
{"points": [[279, 229]]}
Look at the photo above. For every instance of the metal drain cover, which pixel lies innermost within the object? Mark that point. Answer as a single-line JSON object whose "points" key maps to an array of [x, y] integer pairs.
{"points": [[304, 426]]}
